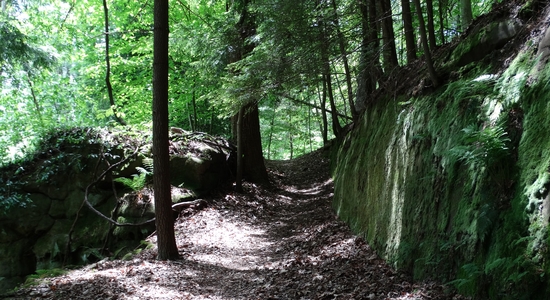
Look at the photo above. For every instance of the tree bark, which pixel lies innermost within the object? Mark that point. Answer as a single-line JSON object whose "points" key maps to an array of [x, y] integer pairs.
{"points": [[410, 40], [423, 37], [161, 159]]}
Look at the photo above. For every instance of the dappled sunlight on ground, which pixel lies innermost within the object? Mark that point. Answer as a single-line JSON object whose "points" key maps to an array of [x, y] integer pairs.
{"points": [[277, 242], [314, 190]]}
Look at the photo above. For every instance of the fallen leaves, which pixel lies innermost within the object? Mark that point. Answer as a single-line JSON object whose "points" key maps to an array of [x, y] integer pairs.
{"points": [[279, 242]]}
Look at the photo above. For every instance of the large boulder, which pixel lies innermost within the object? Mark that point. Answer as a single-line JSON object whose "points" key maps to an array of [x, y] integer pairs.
{"points": [[202, 172]]}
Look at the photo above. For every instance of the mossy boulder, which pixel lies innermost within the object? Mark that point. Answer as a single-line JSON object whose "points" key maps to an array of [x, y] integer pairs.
{"points": [[202, 171]]}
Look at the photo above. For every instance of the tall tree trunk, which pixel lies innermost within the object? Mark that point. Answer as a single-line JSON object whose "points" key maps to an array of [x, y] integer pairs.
{"points": [[161, 159], [431, 27], [389, 50], [290, 141], [194, 102], [108, 63], [324, 118], [336, 127], [466, 15], [325, 71], [190, 118], [363, 78], [374, 30], [424, 38], [34, 99], [240, 146], [254, 165], [309, 135], [253, 161], [342, 45], [441, 11], [410, 39], [270, 139]]}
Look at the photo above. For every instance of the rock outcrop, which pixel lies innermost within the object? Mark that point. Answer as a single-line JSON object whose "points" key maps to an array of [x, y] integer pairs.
{"points": [[50, 225]]}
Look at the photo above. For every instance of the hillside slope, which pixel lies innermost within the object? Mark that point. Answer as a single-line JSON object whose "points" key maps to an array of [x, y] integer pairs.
{"points": [[453, 182]]}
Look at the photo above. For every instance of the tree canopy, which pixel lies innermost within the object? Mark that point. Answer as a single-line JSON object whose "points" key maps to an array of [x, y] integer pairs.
{"points": [[309, 66]]}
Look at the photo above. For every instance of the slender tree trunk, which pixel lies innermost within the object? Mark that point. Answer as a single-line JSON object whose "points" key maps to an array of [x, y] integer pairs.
{"points": [[442, 6], [327, 81], [342, 45], [410, 40], [211, 127], [389, 51], [363, 79], [466, 15], [270, 139], [194, 102], [161, 159], [309, 135], [336, 127], [339, 85], [108, 63], [423, 37], [324, 118], [290, 141], [431, 27], [190, 118], [34, 99], [240, 146]]}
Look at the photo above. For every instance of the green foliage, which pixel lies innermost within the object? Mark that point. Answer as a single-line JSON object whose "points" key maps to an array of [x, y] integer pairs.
{"points": [[138, 181], [88, 255], [10, 196], [515, 272], [482, 148], [143, 245], [42, 276]]}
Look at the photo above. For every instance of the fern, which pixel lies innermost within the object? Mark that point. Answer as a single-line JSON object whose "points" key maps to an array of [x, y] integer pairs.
{"points": [[481, 147], [137, 182]]}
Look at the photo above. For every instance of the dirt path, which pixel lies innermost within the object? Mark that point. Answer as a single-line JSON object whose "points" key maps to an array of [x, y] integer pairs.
{"points": [[281, 242]]}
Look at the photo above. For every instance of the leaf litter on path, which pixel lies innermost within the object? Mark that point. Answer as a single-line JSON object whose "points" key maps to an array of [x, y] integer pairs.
{"points": [[283, 241]]}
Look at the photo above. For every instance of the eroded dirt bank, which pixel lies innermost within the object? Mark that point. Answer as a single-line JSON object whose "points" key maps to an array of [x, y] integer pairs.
{"points": [[278, 242]]}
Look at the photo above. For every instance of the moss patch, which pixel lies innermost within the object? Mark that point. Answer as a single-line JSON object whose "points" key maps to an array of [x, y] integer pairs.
{"points": [[456, 185]]}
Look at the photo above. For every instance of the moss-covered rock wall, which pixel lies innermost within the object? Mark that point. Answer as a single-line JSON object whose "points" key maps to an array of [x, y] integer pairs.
{"points": [[44, 221], [454, 185]]}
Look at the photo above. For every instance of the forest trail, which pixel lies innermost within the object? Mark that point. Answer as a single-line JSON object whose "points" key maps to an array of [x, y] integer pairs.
{"points": [[277, 242]]}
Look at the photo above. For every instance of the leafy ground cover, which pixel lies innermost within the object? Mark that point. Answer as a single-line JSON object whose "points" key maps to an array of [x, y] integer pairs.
{"points": [[277, 242]]}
